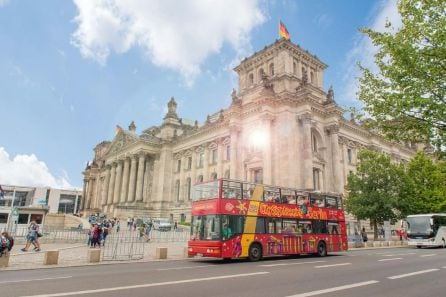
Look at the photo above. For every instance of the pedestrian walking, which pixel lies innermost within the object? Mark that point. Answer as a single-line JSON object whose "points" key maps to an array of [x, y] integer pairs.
{"points": [[175, 226], [118, 226], [32, 237], [364, 235]]}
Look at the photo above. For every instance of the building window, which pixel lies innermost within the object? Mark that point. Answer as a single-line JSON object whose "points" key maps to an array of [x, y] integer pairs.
{"points": [[316, 179], [23, 218], [189, 163], [200, 160], [3, 218], [36, 217], [251, 78], [182, 217], [177, 189], [213, 176], [261, 73], [314, 147], [311, 77], [349, 155], [178, 165], [228, 152], [271, 69], [258, 176], [66, 203], [214, 156], [188, 187], [294, 67], [200, 179], [227, 174], [304, 71]]}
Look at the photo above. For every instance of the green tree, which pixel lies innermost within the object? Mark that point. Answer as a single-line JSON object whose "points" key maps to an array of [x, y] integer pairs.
{"points": [[407, 97], [426, 187], [375, 190]]}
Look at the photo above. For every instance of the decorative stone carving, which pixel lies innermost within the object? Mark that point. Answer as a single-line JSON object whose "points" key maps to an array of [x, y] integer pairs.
{"points": [[330, 94], [171, 109]]}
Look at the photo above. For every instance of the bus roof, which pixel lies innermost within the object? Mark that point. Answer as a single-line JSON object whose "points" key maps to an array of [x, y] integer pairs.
{"points": [[427, 215]]}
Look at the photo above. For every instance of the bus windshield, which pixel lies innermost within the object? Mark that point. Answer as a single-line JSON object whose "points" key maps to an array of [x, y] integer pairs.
{"points": [[419, 225], [208, 190], [206, 227]]}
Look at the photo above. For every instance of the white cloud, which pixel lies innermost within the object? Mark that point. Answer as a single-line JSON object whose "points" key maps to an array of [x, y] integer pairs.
{"points": [[363, 50], [178, 35], [27, 170]]}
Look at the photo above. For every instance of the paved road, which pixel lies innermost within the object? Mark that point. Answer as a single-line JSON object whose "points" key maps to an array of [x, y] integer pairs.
{"points": [[384, 272]]}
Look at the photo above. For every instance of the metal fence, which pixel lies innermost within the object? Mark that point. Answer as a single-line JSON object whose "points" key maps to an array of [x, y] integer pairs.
{"points": [[123, 246], [178, 235]]}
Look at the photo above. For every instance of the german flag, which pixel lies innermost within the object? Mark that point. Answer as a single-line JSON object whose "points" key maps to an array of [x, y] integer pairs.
{"points": [[283, 32]]}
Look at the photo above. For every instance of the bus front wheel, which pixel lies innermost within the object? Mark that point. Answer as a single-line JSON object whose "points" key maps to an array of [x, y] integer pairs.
{"points": [[321, 249], [255, 252]]}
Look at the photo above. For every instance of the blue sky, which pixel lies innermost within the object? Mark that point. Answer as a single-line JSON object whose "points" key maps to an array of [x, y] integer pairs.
{"points": [[70, 71]]}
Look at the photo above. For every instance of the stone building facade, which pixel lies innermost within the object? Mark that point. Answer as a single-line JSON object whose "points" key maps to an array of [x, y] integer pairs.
{"points": [[281, 128]]}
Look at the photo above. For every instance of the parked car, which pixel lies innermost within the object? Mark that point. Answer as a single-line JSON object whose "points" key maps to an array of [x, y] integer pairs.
{"points": [[162, 224]]}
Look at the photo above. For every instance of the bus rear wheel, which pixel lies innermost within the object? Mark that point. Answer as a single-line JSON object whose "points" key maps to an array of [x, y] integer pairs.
{"points": [[321, 249], [255, 252]]}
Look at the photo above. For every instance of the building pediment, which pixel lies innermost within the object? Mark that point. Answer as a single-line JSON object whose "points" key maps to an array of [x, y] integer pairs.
{"points": [[122, 140]]}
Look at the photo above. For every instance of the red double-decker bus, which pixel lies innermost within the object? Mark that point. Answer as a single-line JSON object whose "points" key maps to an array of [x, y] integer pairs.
{"points": [[234, 219]]}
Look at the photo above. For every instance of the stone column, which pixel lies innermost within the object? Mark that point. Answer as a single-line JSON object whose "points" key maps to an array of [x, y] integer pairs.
{"points": [[111, 184], [233, 161], [335, 157], [106, 185], [85, 195], [125, 181], [193, 170], [267, 154], [91, 186], [132, 181], [220, 152], [140, 177], [97, 191], [206, 163], [307, 155], [147, 178], [118, 181]]}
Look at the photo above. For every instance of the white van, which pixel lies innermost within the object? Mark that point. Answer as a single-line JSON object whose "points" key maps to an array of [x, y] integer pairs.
{"points": [[162, 224]]}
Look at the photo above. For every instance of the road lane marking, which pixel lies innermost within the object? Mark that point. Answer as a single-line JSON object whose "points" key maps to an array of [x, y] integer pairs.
{"points": [[185, 267], [428, 255], [34, 279], [286, 264], [389, 259], [333, 265], [412, 273], [148, 285], [404, 254], [334, 289]]}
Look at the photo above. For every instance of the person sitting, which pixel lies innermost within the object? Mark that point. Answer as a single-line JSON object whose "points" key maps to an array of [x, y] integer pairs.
{"points": [[227, 232]]}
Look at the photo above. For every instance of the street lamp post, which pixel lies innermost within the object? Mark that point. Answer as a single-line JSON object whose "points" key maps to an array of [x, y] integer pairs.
{"points": [[11, 209]]}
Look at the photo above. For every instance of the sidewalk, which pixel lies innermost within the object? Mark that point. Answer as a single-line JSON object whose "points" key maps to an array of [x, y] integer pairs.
{"points": [[76, 255]]}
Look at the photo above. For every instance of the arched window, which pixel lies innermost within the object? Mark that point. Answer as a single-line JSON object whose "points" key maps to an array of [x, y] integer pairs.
{"points": [[314, 144], [311, 77], [251, 78], [177, 190], [316, 179], [261, 73], [294, 67], [271, 69], [303, 71]]}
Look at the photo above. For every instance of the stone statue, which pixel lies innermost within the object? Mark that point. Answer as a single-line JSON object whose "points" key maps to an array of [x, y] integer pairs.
{"points": [[304, 78], [234, 96], [330, 94]]}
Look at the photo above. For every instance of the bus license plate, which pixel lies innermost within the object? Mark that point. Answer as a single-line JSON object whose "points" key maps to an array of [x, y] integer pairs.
{"points": [[199, 255]]}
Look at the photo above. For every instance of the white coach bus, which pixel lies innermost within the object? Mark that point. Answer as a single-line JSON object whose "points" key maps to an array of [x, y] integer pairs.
{"points": [[428, 230]]}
